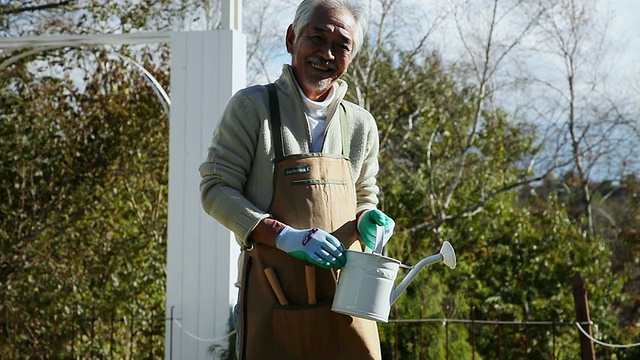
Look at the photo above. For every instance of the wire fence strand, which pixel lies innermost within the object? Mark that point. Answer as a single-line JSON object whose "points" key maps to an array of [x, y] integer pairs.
{"points": [[197, 338], [601, 342]]}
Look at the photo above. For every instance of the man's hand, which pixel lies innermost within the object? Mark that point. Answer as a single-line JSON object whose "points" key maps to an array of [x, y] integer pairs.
{"points": [[367, 227], [313, 245]]}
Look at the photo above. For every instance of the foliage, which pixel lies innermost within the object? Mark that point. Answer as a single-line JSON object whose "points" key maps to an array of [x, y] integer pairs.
{"points": [[516, 259], [84, 181], [90, 17]]}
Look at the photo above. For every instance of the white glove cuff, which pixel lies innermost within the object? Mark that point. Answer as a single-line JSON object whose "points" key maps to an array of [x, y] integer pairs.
{"points": [[287, 229]]}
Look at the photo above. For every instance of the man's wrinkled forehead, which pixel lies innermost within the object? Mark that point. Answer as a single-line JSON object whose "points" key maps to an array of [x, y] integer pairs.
{"points": [[344, 34]]}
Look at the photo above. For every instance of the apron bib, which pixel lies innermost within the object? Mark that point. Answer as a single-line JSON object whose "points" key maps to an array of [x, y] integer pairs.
{"points": [[310, 190]]}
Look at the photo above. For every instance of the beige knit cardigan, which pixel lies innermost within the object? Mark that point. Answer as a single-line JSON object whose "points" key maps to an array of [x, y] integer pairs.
{"points": [[237, 174]]}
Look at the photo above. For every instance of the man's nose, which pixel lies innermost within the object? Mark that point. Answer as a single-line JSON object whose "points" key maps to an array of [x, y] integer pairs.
{"points": [[326, 52]]}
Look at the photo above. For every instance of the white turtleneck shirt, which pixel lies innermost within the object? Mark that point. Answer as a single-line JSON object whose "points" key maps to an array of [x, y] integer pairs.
{"points": [[316, 113]]}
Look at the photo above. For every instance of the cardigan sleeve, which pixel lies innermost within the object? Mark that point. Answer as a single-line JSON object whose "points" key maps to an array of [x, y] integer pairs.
{"points": [[226, 167], [367, 147]]}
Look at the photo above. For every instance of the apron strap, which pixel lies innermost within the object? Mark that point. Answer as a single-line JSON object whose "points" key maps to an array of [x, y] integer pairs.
{"points": [[346, 140], [276, 124], [276, 127]]}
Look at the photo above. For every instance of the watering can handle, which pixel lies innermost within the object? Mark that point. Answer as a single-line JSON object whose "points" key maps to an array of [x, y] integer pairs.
{"points": [[383, 234], [379, 241]]}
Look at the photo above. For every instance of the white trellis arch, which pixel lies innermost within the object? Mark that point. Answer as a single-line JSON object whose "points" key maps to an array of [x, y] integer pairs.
{"points": [[206, 69]]}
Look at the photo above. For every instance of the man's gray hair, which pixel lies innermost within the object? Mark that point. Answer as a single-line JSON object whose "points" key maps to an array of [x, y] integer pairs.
{"points": [[358, 8]]}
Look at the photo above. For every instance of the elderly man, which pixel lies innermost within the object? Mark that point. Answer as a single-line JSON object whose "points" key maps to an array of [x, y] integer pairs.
{"points": [[291, 171]]}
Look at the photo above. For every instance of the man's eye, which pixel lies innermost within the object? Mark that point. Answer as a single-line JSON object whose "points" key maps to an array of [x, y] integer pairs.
{"points": [[344, 47]]}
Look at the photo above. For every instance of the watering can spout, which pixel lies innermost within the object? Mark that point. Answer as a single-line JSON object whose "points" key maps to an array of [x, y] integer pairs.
{"points": [[447, 255]]}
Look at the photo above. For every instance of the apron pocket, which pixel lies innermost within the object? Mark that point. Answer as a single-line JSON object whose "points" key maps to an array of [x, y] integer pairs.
{"points": [[319, 182], [321, 202], [303, 332]]}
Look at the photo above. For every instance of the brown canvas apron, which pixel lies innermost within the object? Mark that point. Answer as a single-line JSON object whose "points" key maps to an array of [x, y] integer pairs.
{"points": [[310, 190]]}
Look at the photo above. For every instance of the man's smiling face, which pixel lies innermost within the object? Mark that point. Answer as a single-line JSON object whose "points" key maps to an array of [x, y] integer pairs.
{"points": [[323, 51]]}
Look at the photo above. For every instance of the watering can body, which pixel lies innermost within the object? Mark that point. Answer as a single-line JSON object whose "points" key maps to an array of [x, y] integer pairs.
{"points": [[366, 287]]}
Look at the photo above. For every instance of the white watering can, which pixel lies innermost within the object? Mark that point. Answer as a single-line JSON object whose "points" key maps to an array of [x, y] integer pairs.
{"points": [[366, 285]]}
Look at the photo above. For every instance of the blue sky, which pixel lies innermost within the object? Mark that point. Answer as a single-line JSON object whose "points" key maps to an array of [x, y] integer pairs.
{"points": [[625, 29]]}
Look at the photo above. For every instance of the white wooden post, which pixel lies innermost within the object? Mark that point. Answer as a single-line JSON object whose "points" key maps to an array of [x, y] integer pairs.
{"points": [[232, 14], [206, 69]]}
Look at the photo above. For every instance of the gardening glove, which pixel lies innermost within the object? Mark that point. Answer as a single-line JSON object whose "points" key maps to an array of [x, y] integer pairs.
{"points": [[313, 245], [368, 223]]}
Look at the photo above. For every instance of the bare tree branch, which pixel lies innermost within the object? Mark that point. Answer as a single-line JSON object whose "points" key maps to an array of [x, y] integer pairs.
{"points": [[23, 9]]}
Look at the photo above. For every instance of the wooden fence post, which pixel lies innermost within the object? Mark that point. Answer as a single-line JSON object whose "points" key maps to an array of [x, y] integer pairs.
{"points": [[582, 316]]}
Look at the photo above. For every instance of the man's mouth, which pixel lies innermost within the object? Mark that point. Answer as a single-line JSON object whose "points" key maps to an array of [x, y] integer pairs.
{"points": [[321, 64]]}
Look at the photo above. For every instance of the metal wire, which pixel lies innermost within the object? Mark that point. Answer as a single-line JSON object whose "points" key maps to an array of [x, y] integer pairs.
{"points": [[195, 337], [604, 343]]}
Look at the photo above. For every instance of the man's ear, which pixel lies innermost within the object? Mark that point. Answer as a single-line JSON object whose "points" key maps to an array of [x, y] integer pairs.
{"points": [[291, 37]]}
